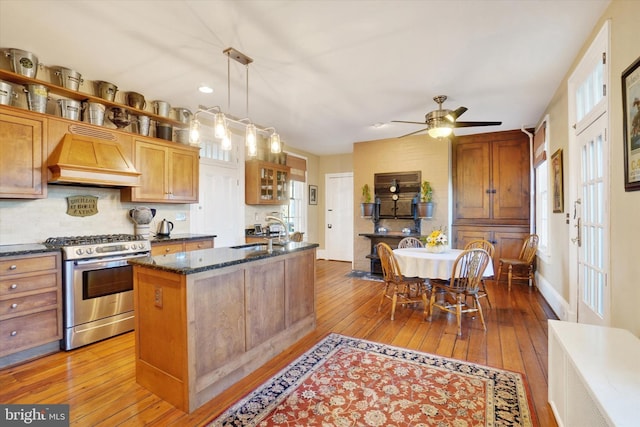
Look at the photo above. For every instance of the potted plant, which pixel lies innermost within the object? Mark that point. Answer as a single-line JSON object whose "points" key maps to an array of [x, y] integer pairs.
{"points": [[367, 206], [425, 205]]}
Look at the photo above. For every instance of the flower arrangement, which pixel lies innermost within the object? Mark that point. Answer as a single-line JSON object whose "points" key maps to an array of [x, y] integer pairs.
{"points": [[437, 240]]}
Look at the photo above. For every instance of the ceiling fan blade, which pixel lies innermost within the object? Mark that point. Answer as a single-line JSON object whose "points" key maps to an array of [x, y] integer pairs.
{"points": [[472, 124], [402, 121], [413, 133], [453, 115]]}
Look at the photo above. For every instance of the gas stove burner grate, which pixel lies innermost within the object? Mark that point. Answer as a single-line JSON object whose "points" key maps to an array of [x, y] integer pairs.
{"points": [[92, 240]]}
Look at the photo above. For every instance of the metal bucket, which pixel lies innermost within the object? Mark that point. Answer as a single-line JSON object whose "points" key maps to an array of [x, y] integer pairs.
{"points": [[6, 93], [106, 90], [69, 79], [23, 62], [136, 100], [141, 125], [162, 108], [69, 109], [37, 97], [182, 136], [164, 131], [94, 113], [183, 115]]}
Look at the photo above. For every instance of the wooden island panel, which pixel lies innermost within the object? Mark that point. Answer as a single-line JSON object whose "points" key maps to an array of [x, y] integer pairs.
{"points": [[197, 334]]}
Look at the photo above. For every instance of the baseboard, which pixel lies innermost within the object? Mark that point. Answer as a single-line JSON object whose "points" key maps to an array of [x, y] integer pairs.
{"points": [[558, 304], [321, 254]]}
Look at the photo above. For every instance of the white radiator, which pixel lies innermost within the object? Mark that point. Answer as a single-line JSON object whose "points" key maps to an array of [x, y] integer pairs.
{"points": [[594, 375]]}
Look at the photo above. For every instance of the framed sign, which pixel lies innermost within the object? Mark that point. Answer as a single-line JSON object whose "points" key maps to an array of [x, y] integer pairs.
{"points": [[557, 181], [631, 125], [313, 194]]}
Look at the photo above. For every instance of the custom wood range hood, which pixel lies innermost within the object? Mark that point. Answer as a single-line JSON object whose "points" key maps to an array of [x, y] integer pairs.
{"points": [[87, 160]]}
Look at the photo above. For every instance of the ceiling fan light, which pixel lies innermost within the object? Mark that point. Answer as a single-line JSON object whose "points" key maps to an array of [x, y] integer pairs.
{"points": [[220, 125], [275, 144], [440, 132]]}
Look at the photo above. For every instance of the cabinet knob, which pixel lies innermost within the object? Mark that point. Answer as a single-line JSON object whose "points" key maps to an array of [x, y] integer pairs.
{"points": [[14, 305], [167, 250], [13, 286], [14, 333], [13, 267]]}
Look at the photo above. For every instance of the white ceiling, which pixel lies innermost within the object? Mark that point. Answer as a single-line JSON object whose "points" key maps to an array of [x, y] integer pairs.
{"points": [[324, 71]]}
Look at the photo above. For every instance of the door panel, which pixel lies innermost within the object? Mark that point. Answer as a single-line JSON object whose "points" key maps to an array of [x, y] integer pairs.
{"points": [[511, 200], [339, 217], [472, 180]]}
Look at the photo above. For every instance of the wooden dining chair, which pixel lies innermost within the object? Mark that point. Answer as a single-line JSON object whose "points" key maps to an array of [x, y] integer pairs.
{"points": [[465, 281], [523, 266], [487, 246], [410, 242], [397, 288]]}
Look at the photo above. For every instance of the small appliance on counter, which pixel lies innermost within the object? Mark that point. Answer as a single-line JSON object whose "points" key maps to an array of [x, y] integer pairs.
{"points": [[165, 227], [141, 217]]}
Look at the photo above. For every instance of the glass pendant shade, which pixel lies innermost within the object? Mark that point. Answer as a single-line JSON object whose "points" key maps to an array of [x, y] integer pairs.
{"points": [[226, 142], [252, 150], [194, 132], [250, 137], [274, 143], [220, 125]]}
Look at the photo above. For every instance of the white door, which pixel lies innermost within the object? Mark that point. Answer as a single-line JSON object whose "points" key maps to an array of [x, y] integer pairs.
{"points": [[220, 210], [339, 216], [589, 178]]}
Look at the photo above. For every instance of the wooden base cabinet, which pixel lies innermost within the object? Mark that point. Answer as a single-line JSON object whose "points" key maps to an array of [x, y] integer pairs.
{"points": [[506, 240], [23, 172], [170, 172], [30, 306], [166, 248]]}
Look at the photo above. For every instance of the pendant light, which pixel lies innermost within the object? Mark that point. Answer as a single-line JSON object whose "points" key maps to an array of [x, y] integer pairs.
{"points": [[275, 145]]}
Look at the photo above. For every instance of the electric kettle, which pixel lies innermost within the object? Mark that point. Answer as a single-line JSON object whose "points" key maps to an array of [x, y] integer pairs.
{"points": [[165, 227]]}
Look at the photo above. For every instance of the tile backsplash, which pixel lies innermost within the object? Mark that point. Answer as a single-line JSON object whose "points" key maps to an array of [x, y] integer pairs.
{"points": [[32, 221]]}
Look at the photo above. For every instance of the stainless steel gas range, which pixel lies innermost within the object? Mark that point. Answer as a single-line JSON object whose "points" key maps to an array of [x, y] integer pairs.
{"points": [[97, 285]]}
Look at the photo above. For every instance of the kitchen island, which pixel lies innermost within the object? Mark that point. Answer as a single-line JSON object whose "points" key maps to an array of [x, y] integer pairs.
{"points": [[206, 319]]}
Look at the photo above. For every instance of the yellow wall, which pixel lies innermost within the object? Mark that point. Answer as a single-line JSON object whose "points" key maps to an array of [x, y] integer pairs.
{"points": [[419, 152], [624, 208]]}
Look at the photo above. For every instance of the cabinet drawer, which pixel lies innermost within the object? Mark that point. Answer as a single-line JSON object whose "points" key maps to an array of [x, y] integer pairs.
{"points": [[22, 304], [195, 245], [22, 332], [167, 248], [12, 286], [28, 265]]}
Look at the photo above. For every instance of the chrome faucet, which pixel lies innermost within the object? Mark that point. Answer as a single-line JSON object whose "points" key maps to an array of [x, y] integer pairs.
{"points": [[270, 218]]}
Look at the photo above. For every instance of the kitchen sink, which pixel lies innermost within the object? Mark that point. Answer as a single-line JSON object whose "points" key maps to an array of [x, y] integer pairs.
{"points": [[260, 246], [257, 249]]}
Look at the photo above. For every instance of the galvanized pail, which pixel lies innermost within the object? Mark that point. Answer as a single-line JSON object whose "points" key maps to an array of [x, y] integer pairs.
{"points": [[37, 97], [69, 79], [23, 62], [69, 109]]}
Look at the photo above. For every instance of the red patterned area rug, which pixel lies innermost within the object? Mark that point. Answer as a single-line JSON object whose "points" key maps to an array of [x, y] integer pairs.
{"points": [[345, 381]]}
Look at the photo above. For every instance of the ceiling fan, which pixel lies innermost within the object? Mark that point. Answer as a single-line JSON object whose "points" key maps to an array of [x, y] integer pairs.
{"points": [[440, 122]]}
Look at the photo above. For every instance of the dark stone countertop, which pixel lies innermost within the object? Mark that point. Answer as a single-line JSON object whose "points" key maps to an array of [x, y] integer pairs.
{"points": [[25, 249], [214, 258], [180, 237]]}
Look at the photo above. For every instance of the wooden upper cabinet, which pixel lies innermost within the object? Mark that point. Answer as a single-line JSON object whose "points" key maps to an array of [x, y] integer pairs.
{"points": [[266, 183], [169, 173], [491, 178], [23, 172]]}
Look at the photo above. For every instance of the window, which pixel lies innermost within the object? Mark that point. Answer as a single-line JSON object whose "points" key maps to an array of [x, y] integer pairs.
{"points": [[297, 207], [541, 164]]}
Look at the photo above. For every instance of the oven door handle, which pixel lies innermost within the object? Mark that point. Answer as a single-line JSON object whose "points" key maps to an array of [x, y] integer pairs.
{"points": [[103, 260]]}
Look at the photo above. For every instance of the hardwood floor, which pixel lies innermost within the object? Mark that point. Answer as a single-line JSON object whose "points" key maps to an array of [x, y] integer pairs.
{"points": [[98, 381]]}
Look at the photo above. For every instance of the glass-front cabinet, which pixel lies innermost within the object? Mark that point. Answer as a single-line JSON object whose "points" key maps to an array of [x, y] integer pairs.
{"points": [[266, 183]]}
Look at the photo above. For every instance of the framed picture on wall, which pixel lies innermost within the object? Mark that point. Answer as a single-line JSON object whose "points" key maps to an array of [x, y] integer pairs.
{"points": [[313, 194], [557, 181], [631, 125]]}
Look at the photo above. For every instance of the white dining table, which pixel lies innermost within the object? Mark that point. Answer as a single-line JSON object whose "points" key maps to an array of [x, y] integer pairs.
{"points": [[419, 262]]}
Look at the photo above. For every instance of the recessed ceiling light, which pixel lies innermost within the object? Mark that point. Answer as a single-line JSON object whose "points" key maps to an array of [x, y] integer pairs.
{"points": [[379, 125], [205, 89]]}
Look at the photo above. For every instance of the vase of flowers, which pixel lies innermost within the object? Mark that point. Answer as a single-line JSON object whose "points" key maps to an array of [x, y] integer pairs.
{"points": [[437, 241]]}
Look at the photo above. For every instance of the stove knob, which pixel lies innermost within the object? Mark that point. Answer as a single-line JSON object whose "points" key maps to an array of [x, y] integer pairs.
{"points": [[79, 251], [141, 245], [89, 250], [126, 247]]}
